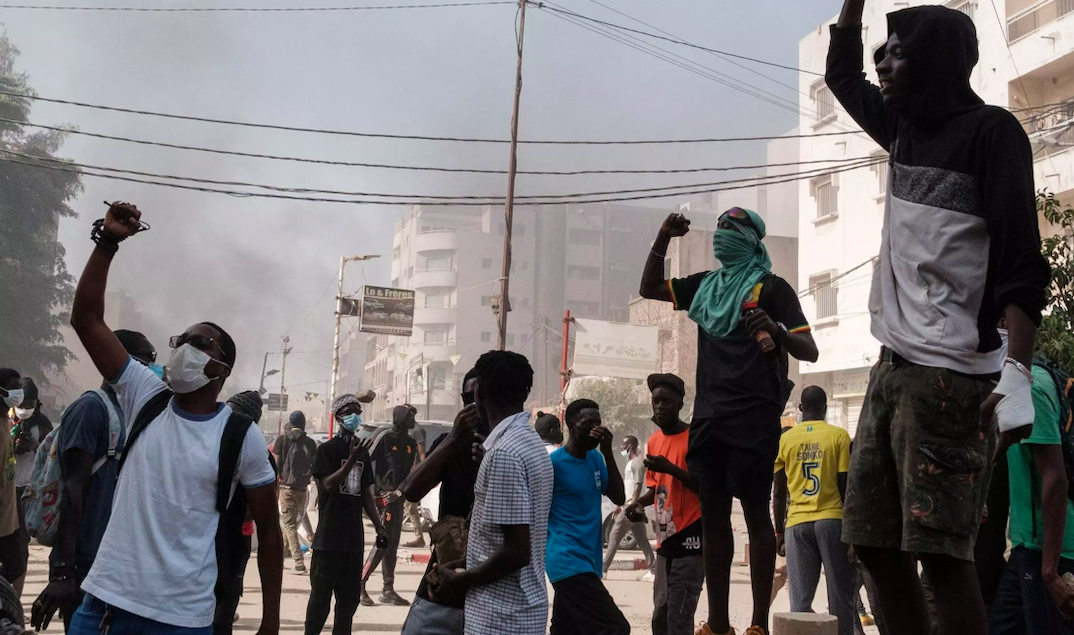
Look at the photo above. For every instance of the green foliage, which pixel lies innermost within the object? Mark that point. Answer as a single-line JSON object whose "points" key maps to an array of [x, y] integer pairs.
{"points": [[1055, 338], [624, 403], [35, 287]]}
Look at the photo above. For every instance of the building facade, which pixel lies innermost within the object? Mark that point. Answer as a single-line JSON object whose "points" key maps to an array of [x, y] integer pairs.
{"points": [[842, 212]]}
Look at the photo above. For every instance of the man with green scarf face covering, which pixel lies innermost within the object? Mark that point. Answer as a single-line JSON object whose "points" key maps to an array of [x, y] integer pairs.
{"points": [[749, 321]]}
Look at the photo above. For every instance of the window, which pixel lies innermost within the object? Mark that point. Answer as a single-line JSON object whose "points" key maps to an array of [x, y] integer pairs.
{"points": [[826, 294], [583, 236], [486, 336], [438, 264], [435, 337], [824, 100], [486, 263], [395, 253], [410, 271], [584, 309], [824, 193], [965, 7], [510, 339], [435, 301], [882, 171], [578, 272]]}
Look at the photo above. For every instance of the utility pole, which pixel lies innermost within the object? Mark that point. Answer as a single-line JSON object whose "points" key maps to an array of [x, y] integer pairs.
{"points": [[339, 320], [283, 388], [505, 303]]}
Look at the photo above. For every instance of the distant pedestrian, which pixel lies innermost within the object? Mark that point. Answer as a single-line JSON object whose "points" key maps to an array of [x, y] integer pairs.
{"points": [[392, 459], [811, 472], [294, 452], [960, 249], [550, 430], [749, 322], [345, 488], [573, 557], [413, 508], [12, 555], [504, 575], [634, 483], [87, 488], [680, 569], [30, 428], [453, 464]]}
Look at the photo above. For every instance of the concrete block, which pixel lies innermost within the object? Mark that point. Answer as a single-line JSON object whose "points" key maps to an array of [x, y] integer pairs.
{"points": [[804, 624]]}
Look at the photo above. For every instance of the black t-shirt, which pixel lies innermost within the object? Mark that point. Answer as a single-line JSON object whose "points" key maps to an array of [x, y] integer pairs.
{"points": [[734, 378], [457, 481], [680, 544], [340, 520], [295, 456], [393, 459]]}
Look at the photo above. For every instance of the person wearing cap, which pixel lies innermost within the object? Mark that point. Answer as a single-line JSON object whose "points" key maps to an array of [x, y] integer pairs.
{"points": [[680, 570], [86, 495], [749, 321], [550, 430], [30, 428], [344, 480], [294, 452]]}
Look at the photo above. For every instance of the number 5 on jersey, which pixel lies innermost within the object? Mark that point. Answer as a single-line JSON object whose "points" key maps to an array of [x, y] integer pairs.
{"points": [[813, 486]]}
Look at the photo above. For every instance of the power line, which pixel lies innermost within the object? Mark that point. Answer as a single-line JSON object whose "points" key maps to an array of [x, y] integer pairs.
{"points": [[36, 7], [410, 137], [549, 7], [67, 167], [832, 281], [389, 166]]}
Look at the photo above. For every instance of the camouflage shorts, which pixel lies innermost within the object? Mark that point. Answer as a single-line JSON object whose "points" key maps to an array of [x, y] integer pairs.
{"points": [[919, 470]]}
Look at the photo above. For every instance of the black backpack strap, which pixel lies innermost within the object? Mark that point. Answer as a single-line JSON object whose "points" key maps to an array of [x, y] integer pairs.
{"points": [[150, 411], [230, 450]]}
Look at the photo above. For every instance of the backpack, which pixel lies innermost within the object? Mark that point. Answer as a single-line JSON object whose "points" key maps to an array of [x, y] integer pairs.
{"points": [[41, 500], [229, 538], [1065, 385]]}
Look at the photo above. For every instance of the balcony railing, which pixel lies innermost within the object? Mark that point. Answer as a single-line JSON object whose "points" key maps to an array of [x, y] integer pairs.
{"points": [[1054, 127], [1034, 18]]}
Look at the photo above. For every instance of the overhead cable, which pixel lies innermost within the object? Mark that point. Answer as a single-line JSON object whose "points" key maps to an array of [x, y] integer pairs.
{"points": [[388, 166], [37, 7], [412, 137]]}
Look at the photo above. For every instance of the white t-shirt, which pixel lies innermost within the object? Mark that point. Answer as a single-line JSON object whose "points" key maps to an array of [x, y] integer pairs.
{"points": [[157, 558], [633, 474]]}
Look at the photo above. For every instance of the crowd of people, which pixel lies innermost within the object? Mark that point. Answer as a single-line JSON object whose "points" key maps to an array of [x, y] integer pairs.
{"points": [[150, 490]]}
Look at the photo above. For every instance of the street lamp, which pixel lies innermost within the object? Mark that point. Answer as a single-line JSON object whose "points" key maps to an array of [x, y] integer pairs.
{"points": [[261, 390]]}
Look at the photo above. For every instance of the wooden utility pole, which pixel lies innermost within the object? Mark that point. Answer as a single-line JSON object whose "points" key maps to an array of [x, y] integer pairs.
{"points": [[505, 303], [283, 387]]}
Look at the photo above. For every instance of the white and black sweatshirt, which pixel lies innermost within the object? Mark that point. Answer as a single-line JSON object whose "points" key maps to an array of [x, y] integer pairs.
{"points": [[960, 241]]}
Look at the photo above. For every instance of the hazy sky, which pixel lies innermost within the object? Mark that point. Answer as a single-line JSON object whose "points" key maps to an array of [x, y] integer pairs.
{"points": [[259, 266]]}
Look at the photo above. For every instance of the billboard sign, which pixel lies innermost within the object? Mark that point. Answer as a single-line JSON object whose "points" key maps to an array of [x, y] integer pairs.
{"points": [[387, 311], [615, 349], [277, 402]]}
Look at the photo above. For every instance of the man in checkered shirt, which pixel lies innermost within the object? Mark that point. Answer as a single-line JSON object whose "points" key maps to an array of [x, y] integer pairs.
{"points": [[504, 579]]}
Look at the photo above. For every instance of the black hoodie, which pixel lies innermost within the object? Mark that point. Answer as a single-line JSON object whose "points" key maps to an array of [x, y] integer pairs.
{"points": [[960, 240]]}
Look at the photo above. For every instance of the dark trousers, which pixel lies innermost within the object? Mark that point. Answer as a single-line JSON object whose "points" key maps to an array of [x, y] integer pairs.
{"points": [[675, 593], [1023, 605], [337, 573], [584, 607], [228, 590], [392, 517]]}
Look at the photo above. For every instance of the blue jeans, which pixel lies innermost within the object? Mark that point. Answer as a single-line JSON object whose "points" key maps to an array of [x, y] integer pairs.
{"points": [[90, 617], [1023, 605]]}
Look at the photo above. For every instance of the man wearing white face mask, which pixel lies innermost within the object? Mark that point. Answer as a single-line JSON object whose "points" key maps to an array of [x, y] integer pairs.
{"points": [[12, 555], [634, 478], [185, 454]]}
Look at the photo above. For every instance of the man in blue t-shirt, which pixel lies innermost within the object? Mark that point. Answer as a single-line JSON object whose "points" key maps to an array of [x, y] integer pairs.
{"points": [[573, 558]]}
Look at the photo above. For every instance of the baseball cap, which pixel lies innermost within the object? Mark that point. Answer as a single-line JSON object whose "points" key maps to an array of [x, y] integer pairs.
{"points": [[667, 379]]}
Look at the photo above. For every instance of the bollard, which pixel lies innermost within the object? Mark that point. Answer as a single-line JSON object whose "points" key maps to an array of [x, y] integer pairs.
{"points": [[804, 624]]}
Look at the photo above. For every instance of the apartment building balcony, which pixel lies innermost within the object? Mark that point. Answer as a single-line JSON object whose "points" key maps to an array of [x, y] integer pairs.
{"points": [[424, 279], [1040, 32], [436, 240], [441, 315], [1051, 128]]}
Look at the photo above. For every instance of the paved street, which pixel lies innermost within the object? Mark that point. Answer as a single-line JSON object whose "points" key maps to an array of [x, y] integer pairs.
{"points": [[634, 597]]}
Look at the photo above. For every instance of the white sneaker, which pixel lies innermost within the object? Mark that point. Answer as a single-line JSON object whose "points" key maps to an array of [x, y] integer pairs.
{"points": [[648, 577]]}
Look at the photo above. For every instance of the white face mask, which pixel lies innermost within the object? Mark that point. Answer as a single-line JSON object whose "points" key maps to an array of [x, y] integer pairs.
{"points": [[24, 414], [14, 397], [624, 452], [185, 370]]}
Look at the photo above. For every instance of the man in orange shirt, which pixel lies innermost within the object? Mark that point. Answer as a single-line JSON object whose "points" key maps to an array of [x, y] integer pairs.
{"points": [[680, 571]]}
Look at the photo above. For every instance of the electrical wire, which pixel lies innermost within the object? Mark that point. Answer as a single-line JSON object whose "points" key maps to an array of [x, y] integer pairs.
{"points": [[389, 166], [37, 7], [832, 281], [674, 40], [247, 124], [488, 199]]}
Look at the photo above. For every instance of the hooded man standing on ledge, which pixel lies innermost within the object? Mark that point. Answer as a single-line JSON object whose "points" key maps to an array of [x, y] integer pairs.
{"points": [[748, 320], [960, 249]]}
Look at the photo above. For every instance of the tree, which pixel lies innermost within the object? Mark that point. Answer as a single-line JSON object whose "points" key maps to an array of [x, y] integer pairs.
{"points": [[35, 287], [624, 403], [1055, 339]]}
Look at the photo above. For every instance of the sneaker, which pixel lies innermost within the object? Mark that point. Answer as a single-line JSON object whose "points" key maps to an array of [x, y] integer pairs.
{"points": [[867, 620], [417, 543], [755, 630], [300, 568], [648, 577], [703, 629], [366, 600], [391, 597]]}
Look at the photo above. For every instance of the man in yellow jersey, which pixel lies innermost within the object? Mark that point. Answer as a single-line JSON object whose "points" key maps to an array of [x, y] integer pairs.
{"points": [[811, 470]]}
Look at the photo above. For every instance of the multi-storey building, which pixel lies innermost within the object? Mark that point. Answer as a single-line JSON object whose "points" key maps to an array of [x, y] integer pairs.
{"points": [[1026, 65]]}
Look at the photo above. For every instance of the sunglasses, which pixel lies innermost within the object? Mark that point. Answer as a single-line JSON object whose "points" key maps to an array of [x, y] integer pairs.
{"points": [[728, 218], [200, 342]]}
